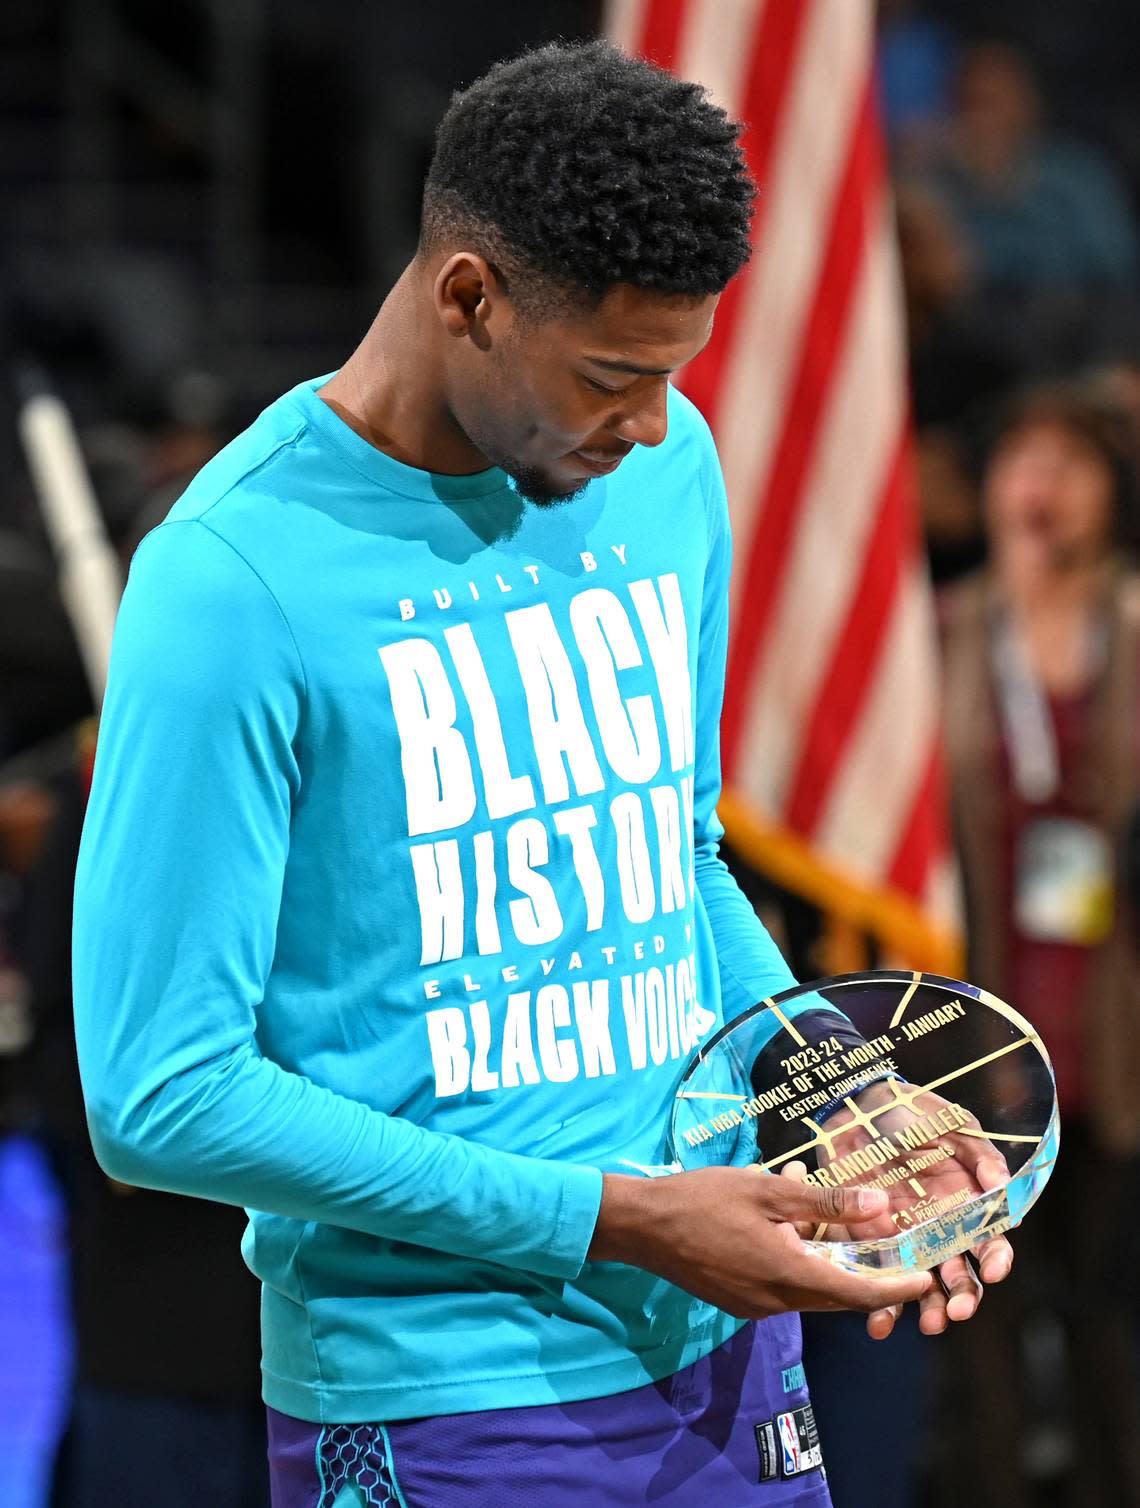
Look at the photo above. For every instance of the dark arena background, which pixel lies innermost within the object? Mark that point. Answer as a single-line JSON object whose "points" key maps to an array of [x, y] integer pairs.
{"points": [[925, 390]]}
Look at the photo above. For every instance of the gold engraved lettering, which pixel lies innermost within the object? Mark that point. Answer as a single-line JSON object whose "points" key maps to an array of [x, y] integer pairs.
{"points": [[827, 1071], [768, 1100], [821, 1179], [929, 1127], [876, 1154], [937, 1154], [890, 1176], [797, 1037], [726, 1120], [929, 1210], [905, 1094], [858, 1057], [915, 1134], [834, 1092], [942, 1015]]}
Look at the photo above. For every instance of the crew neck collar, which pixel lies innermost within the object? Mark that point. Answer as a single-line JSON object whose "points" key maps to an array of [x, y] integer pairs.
{"points": [[385, 470]]}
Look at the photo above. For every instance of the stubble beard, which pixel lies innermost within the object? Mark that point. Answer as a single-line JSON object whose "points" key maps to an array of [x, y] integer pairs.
{"points": [[531, 483]]}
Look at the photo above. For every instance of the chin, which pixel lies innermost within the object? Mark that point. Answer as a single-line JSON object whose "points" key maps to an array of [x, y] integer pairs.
{"points": [[540, 488], [534, 484]]}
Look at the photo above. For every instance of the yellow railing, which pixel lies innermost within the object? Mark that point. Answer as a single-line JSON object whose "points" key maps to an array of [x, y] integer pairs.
{"points": [[851, 909]]}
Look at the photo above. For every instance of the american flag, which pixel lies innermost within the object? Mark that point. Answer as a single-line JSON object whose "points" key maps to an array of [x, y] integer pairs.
{"points": [[830, 734]]}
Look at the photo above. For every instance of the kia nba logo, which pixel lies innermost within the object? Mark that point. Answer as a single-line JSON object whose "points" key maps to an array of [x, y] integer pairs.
{"points": [[790, 1443]]}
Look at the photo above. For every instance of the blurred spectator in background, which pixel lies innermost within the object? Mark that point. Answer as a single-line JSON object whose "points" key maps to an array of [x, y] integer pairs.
{"points": [[167, 1397], [1117, 384], [1047, 221], [1019, 257], [915, 56], [1043, 736], [166, 1401], [957, 366]]}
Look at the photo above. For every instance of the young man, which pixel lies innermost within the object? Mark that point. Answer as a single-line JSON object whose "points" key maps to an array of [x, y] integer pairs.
{"points": [[399, 910]]}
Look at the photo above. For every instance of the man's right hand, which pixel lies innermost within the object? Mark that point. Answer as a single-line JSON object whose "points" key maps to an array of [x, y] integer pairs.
{"points": [[727, 1235]]}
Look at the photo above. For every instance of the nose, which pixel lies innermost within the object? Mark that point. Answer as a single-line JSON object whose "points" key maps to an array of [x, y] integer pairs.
{"points": [[645, 421]]}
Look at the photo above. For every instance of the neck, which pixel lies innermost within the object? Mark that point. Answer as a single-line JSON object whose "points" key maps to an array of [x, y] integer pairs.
{"points": [[391, 389], [1056, 612], [1035, 587]]}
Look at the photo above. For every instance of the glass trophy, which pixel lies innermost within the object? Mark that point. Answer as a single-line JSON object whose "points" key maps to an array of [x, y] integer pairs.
{"points": [[928, 1088]]}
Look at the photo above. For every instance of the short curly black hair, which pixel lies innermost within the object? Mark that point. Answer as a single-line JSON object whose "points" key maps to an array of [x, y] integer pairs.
{"points": [[574, 167]]}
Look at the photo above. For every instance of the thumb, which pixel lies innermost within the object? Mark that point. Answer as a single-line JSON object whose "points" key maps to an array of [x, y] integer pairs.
{"points": [[789, 1200]]}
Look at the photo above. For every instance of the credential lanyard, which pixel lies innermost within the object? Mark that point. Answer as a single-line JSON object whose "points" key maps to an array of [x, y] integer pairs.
{"points": [[1025, 715]]}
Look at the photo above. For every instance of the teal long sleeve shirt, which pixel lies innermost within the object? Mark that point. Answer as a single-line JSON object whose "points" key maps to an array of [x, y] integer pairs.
{"points": [[399, 909]]}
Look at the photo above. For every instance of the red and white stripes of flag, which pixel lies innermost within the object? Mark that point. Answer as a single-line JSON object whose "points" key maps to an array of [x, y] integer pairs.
{"points": [[831, 708]]}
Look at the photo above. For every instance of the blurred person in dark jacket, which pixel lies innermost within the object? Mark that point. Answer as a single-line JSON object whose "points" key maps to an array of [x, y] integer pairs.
{"points": [[1047, 219], [166, 1408], [1042, 663], [167, 1401], [956, 363]]}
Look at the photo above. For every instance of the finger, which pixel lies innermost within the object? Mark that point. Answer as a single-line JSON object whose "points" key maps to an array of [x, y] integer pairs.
{"points": [[825, 1286], [882, 1321], [963, 1291], [991, 1169], [807, 1230], [932, 1317], [981, 1158], [994, 1259], [788, 1200]]}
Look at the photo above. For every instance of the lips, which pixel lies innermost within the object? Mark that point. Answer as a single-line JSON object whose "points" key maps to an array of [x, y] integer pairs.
{"points": [[602, 464]]}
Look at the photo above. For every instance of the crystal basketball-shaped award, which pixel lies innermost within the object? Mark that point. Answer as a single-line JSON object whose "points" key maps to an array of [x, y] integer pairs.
{"points": [[912, 1083]]}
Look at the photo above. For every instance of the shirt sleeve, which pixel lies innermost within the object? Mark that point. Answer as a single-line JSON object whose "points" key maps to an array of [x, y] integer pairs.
{"points": [[751, 966], [178, 891]]}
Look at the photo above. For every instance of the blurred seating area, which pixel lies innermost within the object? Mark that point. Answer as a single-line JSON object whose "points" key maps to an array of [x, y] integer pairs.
{"points": [[204, 202], [1013, 134]]}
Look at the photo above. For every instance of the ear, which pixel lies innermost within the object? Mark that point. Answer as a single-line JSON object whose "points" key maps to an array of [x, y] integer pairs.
{"points": [[468, 293]]}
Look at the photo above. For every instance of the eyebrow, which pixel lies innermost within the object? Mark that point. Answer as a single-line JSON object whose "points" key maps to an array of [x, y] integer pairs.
{"points": [[630, 366]]}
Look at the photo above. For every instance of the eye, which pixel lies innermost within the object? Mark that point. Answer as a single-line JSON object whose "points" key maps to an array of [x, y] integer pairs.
{"points": [[598, 387]]}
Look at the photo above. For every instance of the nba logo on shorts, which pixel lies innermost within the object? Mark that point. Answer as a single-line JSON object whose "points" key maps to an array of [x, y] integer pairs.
{"points": [[789, 1443]]}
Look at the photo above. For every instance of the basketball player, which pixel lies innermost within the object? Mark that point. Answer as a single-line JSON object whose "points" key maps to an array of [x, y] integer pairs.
{"points": [[399, 909]]}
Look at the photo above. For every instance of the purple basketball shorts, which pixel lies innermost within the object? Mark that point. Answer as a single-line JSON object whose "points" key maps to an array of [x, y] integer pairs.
{"points": [[733, 1429]]}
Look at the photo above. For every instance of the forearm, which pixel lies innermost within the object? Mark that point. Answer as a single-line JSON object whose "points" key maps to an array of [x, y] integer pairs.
{"points": [[624, 1215], [752, 969], [751, 966], [177, 912], [242, 1130]]}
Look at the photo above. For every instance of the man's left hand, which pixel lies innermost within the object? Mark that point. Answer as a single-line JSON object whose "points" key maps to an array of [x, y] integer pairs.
{"points": [[971, 1162]]}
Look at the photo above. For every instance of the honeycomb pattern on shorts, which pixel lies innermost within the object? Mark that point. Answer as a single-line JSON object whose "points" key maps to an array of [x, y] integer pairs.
{"points": [[356, 1454]]}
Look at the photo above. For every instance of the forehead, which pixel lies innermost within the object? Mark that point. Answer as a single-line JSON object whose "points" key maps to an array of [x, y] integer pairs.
{"points": [[658, 331], [1050, 436]]}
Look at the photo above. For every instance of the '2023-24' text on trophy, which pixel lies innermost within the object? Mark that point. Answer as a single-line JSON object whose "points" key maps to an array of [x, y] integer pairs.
{"points": [[911, 1083]]}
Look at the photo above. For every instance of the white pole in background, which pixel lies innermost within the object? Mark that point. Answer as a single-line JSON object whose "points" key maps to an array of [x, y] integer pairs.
{"points": [[90, 581]]}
